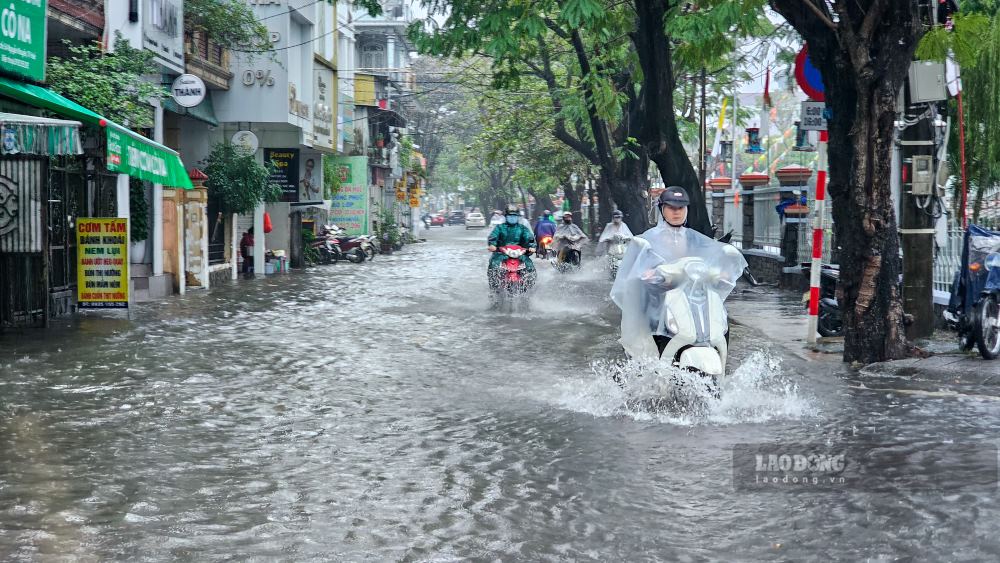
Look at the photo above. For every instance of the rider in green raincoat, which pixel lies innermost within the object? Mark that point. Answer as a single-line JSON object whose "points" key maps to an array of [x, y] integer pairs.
{"points": [[511, 231]]}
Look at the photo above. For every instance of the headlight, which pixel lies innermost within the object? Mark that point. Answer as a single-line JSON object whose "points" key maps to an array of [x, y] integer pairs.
{"points": [[695, 271], [992, 260]]}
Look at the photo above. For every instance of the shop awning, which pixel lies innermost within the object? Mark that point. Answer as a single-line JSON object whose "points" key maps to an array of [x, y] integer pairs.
{"points": [[28, 134], [128, 152], [204, 111]]}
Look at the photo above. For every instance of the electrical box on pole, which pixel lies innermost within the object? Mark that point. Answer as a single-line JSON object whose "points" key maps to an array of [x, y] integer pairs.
{"points": [[923, 175]]}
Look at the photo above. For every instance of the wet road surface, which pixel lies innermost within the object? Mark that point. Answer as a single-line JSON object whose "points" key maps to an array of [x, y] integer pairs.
{"points": [[381, 412]]}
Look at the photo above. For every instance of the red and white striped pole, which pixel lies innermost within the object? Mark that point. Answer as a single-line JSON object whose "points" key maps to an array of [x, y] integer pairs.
{"points": [[817, 254]]}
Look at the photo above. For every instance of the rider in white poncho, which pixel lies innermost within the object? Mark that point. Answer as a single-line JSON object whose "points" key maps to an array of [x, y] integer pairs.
{"points": [[615, 228], [638, 289]]}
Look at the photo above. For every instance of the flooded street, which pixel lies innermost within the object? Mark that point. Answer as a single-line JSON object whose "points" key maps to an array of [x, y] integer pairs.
{"points": [[381, 412]]}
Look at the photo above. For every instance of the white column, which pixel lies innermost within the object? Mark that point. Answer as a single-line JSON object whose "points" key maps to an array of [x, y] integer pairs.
{"points": [[390, 56], [182, 247], [234, 244], [158, 199], [258, 240], [121, 196]]}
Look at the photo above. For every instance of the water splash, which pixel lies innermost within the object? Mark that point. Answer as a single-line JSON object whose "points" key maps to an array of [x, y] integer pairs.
{"points": [[756, 391]]}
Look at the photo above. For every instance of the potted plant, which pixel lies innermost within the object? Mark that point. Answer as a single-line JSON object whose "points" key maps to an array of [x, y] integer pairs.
{"points": [[379, 141], [138, 210], [387, 232]]}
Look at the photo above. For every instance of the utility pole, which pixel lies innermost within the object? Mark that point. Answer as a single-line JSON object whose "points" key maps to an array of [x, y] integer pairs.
{"points": [[702, 139], [915, 207]]}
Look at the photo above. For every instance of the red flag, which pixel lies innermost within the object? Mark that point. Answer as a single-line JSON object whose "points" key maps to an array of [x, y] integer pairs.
{"points": [[767, 89]]}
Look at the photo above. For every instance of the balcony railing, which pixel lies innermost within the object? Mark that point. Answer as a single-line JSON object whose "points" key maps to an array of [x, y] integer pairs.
{"points": [[207, 59]]}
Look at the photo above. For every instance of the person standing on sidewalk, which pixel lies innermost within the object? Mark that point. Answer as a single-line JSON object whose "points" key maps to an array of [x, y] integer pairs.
{"points": [[246, 251]]}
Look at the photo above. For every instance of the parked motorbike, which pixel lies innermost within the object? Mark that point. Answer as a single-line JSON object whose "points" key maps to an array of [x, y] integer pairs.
{"points": [[356, 248], [616, 250], [830, 322], [974, 306]]}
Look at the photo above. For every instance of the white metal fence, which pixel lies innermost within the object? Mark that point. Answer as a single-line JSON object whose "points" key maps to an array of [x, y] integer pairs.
{"points": [[766, 222]]}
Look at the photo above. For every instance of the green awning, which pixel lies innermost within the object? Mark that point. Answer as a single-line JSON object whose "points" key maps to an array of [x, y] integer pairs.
{"points": [[28, 134], [128, 152], [47, 99], [204, 111]]}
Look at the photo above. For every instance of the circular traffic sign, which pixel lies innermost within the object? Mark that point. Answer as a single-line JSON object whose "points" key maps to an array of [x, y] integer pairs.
{"points": [[808, 76]]}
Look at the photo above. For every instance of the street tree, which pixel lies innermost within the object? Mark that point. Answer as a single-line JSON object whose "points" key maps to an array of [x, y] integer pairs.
{"points": [[863, 49]]}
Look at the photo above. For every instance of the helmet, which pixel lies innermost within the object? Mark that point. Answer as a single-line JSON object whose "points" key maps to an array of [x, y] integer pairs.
{"points": [[511, 210], [568, 214], [616, 213], [674, 196]]}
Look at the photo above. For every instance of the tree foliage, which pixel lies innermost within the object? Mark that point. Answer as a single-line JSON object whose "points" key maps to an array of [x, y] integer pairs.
{"points": [[974, 42], [230, 23], [111, 84], [239, 180]]}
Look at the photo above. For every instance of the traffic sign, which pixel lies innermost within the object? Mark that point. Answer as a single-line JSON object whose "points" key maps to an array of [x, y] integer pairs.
{"points": [[813, 116], [808, 76]]}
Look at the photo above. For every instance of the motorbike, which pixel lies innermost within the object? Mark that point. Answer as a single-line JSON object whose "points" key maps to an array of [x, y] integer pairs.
{"points": [[830, 322], [693, 330], [616, 250], [974, 306], [512, 278], [543, 246], [327, 247], [568, 257], [356, 248]]}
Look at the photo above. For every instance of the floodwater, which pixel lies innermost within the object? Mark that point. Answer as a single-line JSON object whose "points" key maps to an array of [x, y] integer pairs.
{"points": [[381, 412]]}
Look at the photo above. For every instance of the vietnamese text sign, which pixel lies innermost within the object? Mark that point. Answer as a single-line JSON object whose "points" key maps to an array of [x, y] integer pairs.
{"points": [[286, 171], [22, 41], [349, 208], [813, 118], [102, 262], [130, 153]]}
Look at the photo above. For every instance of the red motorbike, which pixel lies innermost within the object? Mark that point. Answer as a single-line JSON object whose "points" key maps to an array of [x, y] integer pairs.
{"points": [[512, 278], [543, 246]]}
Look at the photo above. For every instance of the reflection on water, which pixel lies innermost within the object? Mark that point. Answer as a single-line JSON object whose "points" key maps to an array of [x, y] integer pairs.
{"points": [[381, 412]]}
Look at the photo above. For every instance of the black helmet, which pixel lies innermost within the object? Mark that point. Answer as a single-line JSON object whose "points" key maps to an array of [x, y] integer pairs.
{"points": [[616, 213], [674, 196], [511, 210]]}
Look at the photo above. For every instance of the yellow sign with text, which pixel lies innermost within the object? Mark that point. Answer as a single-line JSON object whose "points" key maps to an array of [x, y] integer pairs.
{"points": [[400, 196], [102, 263], [414, 202]]}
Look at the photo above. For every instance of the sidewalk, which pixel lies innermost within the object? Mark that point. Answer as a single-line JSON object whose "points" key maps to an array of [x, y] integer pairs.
{"points": [[781, 316]]}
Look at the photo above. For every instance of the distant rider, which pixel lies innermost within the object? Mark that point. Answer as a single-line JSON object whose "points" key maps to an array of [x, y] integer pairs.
{"points": [[544, 227], [511, 231], [615, 228], [568, 237]]}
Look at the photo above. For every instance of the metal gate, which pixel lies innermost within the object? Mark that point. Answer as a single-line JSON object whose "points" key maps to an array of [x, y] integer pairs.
{"points": [[23, 242]]}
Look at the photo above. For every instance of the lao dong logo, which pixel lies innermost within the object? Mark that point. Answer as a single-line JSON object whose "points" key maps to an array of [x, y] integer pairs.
{"points": [[813, 463]]}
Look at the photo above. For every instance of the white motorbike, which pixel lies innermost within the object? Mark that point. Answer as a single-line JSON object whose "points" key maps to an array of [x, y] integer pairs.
{"points": [[693, 331], [616, 250]]}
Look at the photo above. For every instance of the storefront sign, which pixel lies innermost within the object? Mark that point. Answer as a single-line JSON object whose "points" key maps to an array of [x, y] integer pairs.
{"points": [[102, 263], [350, 206], [311, 185], [296, 106], [161, 32], [188, 90], [414, 202], [22, 38], [286, 171], [246, 141], [128, 153], [400, 196], [324, 107]]}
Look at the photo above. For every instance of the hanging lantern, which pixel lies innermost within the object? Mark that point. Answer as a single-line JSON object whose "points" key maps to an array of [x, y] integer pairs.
{"points": [[726, 150], [753, 141], [802, 139]]}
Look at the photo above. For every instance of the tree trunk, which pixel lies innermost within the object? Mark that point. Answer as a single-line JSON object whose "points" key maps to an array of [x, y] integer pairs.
{"points": [[573, 196], [542, 202], [626, 189], [863, 52], [659, 133], [605, 200]]}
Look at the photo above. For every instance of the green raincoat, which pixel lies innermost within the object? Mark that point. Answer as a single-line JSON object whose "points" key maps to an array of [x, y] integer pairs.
{"points": [[505, 234]]}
